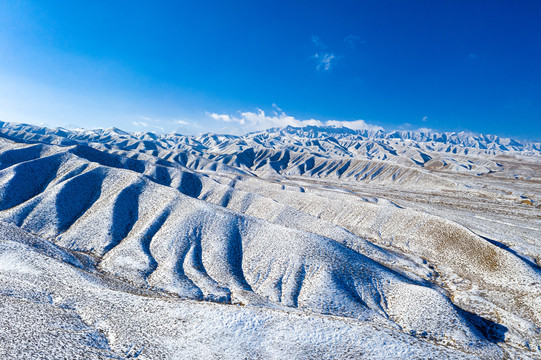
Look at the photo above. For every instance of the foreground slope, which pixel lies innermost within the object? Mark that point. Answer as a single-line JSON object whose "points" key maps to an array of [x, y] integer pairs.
{"points": [[52, 307]]}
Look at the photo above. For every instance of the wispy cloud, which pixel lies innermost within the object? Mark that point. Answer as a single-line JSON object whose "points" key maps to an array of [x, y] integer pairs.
{"points": [[324, 61], [259, 120], [410, 127], [276, 108], [352, 41], [425, 118], [140, 123], [149, 119], [318, 43], [156, 124]]}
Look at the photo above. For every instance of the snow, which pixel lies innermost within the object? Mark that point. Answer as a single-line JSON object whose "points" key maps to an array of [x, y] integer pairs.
{"points": [[287, 243]]}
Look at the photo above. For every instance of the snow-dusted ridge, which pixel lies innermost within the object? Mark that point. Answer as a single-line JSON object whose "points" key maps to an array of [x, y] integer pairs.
{"points": [[464, 139], [421, 244]]}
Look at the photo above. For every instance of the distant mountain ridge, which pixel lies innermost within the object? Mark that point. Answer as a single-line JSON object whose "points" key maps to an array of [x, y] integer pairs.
{"points": [[463, 138], [466, 139], [405, 157]]}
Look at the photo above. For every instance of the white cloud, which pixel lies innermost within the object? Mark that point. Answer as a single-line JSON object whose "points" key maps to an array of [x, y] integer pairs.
{"points": [[182, 122], [324, 61], [425, 118], [221, 117], [140, 123], [424, 130], [355, 125], [254, 121]]}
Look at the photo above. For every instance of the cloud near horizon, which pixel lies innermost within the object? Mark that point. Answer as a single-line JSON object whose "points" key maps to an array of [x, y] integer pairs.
{"points": [[140, 123], [254, 121]]}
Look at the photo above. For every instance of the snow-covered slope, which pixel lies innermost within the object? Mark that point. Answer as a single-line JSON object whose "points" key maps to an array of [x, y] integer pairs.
{"points": [[354, 232]]}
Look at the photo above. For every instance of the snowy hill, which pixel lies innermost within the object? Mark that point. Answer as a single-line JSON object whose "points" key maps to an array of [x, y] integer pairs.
{"points": [[420, 243]]}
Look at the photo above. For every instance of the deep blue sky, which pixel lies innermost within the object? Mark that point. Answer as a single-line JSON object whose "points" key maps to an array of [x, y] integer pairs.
{"points": [[445, 65]]}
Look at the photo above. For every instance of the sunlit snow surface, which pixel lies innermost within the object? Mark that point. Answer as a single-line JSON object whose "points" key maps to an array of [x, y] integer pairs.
{"points": [[298, 243]]}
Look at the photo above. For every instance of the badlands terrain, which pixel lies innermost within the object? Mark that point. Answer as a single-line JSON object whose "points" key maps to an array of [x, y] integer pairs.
{"points": [[288, 243]]}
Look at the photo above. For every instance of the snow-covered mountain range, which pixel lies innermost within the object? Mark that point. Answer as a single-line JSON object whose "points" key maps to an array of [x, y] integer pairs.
{"points": [[285, 243]]}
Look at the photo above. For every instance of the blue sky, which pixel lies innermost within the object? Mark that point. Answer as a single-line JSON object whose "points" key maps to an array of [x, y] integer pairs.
{"points": [[238, 66]]}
